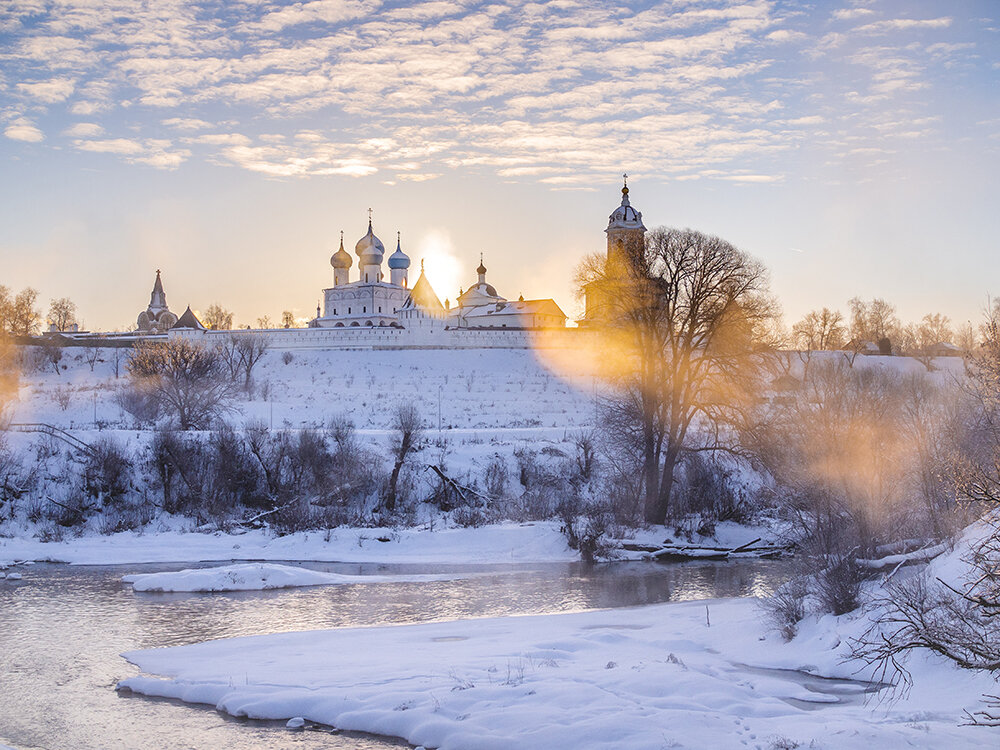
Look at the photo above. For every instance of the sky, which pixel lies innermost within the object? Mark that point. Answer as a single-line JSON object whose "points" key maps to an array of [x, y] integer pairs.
{"points": [[853, 146]]}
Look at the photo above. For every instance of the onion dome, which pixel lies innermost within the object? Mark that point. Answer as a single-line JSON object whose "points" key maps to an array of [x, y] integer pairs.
{"points": [[482, 269], [341, 259], [370, 248], [399, 259], [625, 217]]}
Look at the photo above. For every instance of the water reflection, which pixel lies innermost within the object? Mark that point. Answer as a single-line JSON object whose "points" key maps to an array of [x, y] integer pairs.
{"points": [[62, 629]]}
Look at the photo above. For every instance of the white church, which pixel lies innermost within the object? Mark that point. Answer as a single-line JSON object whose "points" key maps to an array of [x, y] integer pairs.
{"points": [[371, 301]]}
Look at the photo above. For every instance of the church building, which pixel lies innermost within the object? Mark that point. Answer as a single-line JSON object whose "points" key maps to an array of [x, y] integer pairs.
{"points": [[156, 318], [370, 301]]}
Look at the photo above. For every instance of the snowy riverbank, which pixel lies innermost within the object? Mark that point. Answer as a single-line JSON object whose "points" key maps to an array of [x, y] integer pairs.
{"points": [[503, 543], [689, 674], [540, 541], [646, 677]]}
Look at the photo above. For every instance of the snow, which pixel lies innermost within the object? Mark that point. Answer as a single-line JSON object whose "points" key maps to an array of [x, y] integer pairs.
{"points": [[258, 577], [499, 543], [647, 677], [687, 674]]}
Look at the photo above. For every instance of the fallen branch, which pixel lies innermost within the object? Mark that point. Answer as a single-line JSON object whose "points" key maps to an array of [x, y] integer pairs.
{"points": [[257, 517]]}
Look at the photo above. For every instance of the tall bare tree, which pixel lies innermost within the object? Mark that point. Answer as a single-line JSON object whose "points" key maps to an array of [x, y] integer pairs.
{"points": [[62, 314], [406, 421], [684, 322], [820, 330], [186, 379], [874, 321]]}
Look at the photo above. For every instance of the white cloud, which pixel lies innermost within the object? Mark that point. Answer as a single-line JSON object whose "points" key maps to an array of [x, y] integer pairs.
{"points": [[23, 130], [904, 24], [84, 130], [48, 92], [849, 14], [123, 146], [186, 123], [548, 91]]}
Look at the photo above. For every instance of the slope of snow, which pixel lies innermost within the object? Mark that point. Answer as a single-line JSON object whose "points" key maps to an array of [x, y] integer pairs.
{"points": [[257, 577]]}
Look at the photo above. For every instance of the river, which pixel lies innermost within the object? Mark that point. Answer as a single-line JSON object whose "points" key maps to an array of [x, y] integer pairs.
{"points": [[63, 627]]}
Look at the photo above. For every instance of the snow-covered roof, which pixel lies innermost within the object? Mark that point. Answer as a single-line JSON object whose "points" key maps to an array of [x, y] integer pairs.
{"points": [[188, 320], [422, 295]]}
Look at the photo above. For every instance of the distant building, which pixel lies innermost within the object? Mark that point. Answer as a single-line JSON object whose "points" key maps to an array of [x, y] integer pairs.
{"points": [[480, 306], [626, 240], [156, 318]]}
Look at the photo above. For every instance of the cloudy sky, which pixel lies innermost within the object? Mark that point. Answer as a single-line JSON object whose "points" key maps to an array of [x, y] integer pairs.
{"points": [[853, 146]]}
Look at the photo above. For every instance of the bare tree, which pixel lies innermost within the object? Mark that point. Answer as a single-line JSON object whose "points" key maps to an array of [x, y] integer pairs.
{"points": [[937, 329], [683, 324], [18, 315], [91, 353], [874, 321], [965, 337], [288, 319], [820, 330], [62, 314], [249, 349], [117, 355], [185, 378], [218, 318], [52, 353], [407, 424], [264, 322]]}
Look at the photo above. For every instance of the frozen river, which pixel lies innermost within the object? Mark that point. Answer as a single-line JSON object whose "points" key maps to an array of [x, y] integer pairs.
{"points": [[62, 629]]}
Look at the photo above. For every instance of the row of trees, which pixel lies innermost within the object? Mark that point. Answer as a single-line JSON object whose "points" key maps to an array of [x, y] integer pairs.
{"points": [[20, 317], [876, 321], [218, 318]]}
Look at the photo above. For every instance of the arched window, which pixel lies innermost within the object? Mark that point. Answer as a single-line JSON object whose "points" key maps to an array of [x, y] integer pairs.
{"points": [[355, 324]]}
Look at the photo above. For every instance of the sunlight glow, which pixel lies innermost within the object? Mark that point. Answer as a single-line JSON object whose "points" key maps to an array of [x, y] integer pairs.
{"points": [[442, 267]]}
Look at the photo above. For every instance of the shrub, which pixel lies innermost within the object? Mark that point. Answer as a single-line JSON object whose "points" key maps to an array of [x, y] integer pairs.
{"points": [[107, 473], [838, 585], [786, 607]]}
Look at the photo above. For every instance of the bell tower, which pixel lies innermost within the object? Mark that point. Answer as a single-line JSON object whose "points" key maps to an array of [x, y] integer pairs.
{"points": [[625, 230]]}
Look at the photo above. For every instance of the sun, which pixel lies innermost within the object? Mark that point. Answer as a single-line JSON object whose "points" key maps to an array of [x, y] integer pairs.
{"points": [[441, 266]]}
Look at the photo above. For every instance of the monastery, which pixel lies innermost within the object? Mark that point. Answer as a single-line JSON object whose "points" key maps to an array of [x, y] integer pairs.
{"points": [[372, 311]]}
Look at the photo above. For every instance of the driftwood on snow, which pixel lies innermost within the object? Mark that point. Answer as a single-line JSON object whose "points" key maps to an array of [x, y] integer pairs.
{"points": [[679, 552]]}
